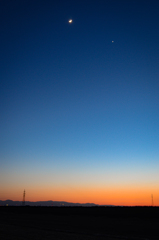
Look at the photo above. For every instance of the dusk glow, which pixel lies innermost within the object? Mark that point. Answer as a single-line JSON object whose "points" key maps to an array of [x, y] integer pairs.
{"points": [[80, 102]]}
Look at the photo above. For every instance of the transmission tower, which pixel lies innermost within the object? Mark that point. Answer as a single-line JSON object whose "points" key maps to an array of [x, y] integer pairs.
{"points": [[152, 199], [23, 202]]}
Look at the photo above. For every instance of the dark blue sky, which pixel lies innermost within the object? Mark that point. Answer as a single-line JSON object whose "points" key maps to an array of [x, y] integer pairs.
{"points": [[72, 97]]}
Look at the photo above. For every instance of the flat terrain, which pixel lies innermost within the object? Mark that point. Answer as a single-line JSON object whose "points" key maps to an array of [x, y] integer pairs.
{"points": [[77, 223]]}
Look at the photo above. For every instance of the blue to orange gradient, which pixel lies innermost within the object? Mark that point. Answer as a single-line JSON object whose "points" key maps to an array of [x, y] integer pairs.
{"points": [[104, 184], [79, 102]]}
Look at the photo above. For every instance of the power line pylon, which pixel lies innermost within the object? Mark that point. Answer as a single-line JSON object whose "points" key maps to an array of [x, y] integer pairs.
{"points": [[23, 202], [152, 199]]}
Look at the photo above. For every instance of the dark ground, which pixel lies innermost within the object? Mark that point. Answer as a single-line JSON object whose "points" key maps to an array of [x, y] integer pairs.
{"points": [[77, 223]]}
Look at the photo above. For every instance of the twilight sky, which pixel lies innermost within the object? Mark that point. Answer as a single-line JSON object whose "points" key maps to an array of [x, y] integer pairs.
{"points": [[79, 113]]}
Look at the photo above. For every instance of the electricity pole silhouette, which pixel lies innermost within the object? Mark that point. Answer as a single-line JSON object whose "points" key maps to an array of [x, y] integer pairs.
{"points": [[152, 199], [23, 202]]}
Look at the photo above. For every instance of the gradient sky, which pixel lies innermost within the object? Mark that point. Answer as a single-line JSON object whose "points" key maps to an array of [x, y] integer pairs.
{"points": [[79, 113]]}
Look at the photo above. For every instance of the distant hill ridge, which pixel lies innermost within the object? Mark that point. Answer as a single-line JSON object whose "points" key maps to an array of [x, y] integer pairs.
{"points": [[45, 203]]}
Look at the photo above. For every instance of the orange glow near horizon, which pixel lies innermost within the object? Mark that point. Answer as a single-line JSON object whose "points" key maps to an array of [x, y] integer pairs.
{"points": [[115, 196]]}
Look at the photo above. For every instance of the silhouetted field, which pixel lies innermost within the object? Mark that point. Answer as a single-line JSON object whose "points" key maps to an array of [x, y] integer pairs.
{"points": [[109, 223]]}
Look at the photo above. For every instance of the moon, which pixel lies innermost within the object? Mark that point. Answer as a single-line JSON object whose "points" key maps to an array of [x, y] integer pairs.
{"points": [[70, 20], [112, 41]]}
